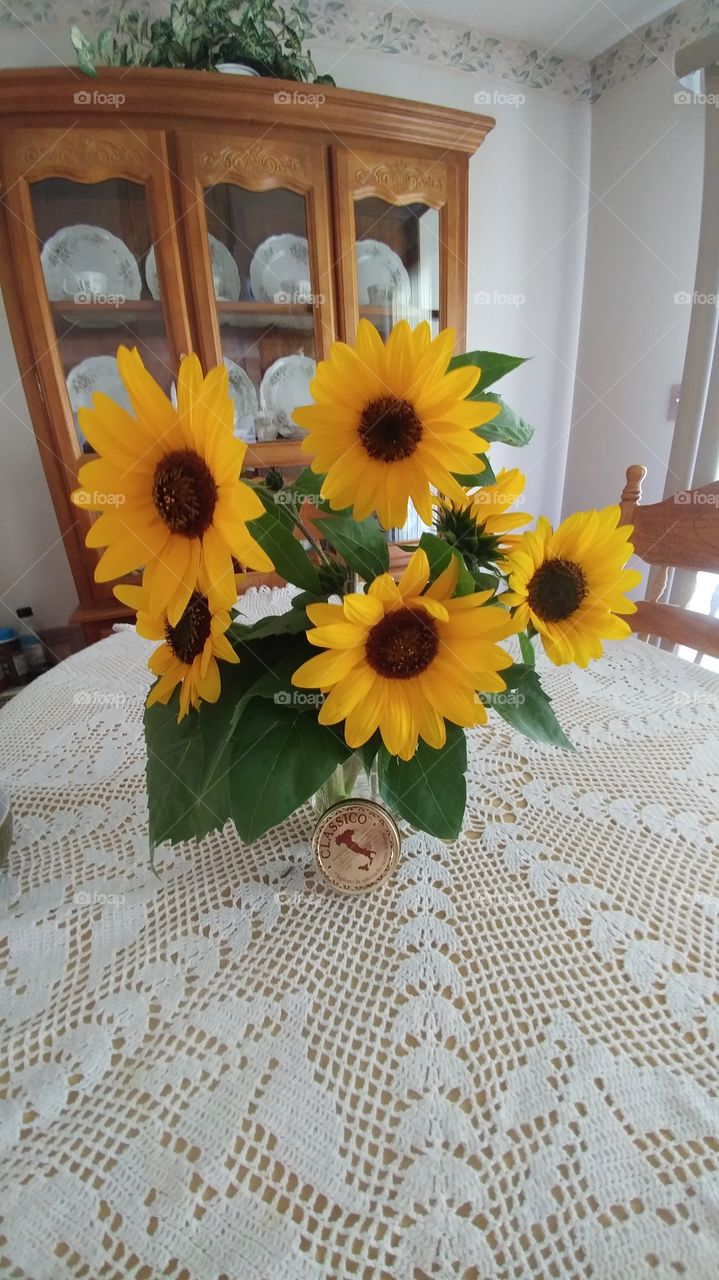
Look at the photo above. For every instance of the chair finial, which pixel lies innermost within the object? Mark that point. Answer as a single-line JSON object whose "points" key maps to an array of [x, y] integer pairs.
{"points": [[633, 488]]}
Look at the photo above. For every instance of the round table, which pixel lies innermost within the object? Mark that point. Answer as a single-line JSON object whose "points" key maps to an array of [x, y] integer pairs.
{"points": [[501, 1065]]}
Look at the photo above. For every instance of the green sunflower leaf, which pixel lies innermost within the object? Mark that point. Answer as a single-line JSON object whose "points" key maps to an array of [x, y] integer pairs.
{"points": [[306, 597], [369, 749], [308, 483], [292, 622], [429, 790], [284, 549], [280, 756], [439, 554], [188, 764], [361, 543], [507, 427], [492, 363], [526, 706], [479, 477], [527, 649], [483, 581]]}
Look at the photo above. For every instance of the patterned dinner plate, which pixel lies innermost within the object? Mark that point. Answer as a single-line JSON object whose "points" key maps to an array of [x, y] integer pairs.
{"points": [[281, 266], [83, 261], [379, 265], [97, 373], [225, 276], [285, 386]]}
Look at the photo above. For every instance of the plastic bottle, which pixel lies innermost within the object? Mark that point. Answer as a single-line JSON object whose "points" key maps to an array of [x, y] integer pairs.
{"points": [[31, 643], [12, 658]]}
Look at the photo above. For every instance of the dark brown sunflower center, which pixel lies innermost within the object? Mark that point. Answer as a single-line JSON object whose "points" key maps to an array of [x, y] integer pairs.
{"points": [[390, 429], [187, 639], [557, 589], [403, 644], [184, 493]]}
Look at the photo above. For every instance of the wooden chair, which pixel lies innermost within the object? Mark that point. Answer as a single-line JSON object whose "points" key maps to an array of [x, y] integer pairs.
{"points": [[681, 532]]}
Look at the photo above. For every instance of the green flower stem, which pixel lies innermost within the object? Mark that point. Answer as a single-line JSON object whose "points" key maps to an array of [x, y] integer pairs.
{"points": [[295, 517]]}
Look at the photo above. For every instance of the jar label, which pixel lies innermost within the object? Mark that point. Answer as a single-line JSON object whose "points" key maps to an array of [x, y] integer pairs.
{"points": [[356, 845]]}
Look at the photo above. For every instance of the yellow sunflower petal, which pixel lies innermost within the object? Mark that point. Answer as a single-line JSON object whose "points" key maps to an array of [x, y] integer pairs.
{"points": [[415, 576], [324, 670]]}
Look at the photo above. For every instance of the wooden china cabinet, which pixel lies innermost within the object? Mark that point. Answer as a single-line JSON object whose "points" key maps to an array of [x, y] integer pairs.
{"points": [[191, 173]]}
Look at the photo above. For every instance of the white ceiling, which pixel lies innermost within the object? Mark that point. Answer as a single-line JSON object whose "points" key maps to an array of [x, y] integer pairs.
{"points": [[583, 28]]}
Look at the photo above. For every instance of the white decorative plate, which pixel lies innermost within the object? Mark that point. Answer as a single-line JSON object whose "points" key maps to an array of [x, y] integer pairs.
{"points": [[89, 260], [97, 373], [225, 276], [379, 265], [285, 386], [281, 265], [244, 398]]}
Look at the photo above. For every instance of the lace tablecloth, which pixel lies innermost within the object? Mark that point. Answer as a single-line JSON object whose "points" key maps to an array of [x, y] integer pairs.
{"points": [[503, 1064]]}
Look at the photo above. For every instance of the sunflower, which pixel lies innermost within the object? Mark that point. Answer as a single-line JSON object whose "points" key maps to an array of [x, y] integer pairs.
{"points": [[403, 659], [388, 421], [570, 583], [167, 484], [191, 647], [481, 525]]}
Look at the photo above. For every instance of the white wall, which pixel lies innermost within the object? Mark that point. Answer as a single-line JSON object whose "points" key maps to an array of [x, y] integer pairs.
{"points": [[33, 565], [646, 172], [527, 234], [528, 203]]}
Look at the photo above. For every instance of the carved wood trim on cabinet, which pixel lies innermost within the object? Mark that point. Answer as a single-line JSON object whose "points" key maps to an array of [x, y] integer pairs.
{"points": [[256, 165], [437, 182], [158, 97]]}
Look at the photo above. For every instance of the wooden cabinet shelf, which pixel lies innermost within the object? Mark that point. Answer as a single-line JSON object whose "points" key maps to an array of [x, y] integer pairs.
{"points": [[206, 171], [78, 310], [414, 315], [262, 315]]}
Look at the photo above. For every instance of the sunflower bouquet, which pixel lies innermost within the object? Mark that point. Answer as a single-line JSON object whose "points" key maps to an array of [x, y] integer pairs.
{"points": [[386, 663]]}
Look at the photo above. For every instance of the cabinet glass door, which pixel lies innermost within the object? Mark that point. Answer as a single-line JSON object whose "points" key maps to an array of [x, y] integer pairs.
{"points": [[402, 241], [94, 241], [397, 263], [402, 252], [257, 230], [88, 206]]}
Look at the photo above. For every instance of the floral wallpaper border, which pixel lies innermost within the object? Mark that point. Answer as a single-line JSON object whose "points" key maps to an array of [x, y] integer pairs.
{"points": [[394, 30], [658, 40]]}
